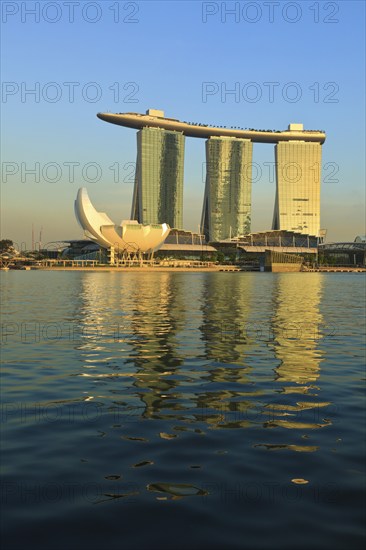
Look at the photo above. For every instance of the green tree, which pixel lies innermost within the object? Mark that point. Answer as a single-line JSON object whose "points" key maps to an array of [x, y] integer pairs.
{"points": [[220, 257], [5, 245]]}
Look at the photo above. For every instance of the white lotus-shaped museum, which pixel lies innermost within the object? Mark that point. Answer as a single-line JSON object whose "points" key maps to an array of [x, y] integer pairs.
{"points": [[130, 236]]}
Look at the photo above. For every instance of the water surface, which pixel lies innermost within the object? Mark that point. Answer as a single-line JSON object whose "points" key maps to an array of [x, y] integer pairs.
{"points": [[182, 410]]}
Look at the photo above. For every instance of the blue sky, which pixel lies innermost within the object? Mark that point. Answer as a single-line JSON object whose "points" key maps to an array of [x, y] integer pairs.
{"points": [[131, 56]]}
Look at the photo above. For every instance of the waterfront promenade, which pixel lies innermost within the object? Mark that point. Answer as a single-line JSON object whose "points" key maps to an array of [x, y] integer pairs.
{"points": [[179, 268]]}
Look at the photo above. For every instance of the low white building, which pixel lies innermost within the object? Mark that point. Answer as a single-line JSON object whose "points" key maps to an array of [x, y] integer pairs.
{"points": [[129, 237]]}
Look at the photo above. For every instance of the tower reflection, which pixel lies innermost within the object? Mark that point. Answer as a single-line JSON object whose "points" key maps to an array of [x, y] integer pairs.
{"points": [[157, 316], [181, 347], [296, 327], [226, 308], [132, 334]]}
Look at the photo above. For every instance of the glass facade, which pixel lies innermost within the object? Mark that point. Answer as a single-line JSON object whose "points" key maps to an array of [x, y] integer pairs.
{"points": [[158, 192], [298, 173], [227, 202]]}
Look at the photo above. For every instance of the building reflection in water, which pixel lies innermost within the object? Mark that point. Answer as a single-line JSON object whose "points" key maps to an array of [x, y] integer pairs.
{"points": [[168, 336], [136, 327], [177, 346], [158, 317], [296, 327], [180, 342], [226, 307]]}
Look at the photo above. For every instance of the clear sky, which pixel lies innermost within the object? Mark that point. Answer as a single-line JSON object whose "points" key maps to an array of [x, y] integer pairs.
{"points": [[62, 62]]}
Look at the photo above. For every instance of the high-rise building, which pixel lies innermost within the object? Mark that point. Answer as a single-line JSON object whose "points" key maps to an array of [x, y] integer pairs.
{"points": [[227, 201], [158, 191], [298, 173]]}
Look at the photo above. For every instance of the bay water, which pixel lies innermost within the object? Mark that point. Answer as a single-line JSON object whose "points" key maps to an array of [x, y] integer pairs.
{"points": [[182, 410]]}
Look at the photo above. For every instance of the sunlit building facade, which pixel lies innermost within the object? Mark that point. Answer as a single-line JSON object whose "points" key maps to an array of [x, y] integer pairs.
{"points": [[158, 191], [298, 173], [129, 236], [227, 201]]}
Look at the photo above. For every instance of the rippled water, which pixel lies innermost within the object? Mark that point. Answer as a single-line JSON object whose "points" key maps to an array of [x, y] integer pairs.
{"points": [[182, 410]]}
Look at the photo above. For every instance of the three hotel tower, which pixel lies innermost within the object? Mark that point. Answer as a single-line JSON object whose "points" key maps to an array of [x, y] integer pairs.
{"points": [[226, 213]]}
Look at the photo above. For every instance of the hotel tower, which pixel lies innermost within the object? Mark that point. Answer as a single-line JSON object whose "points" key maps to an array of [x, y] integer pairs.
{"points": [[298, 173], [227, 201], [158, 191]]}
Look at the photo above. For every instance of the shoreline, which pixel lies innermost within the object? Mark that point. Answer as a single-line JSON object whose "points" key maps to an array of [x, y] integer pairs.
{"points": [[146, 269], [180, 269]]}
